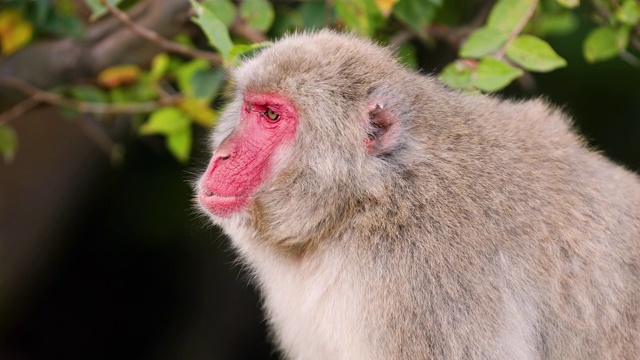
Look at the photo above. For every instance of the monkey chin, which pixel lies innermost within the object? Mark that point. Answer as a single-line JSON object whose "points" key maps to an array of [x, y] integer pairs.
{"points": [[223, 206]]}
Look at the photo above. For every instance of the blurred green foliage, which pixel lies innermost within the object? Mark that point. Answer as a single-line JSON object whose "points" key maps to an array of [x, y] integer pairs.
{"points": [[496, 42]]}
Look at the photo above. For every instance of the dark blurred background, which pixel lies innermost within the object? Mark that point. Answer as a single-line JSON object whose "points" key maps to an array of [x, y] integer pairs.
{"points": [[104, 262]]}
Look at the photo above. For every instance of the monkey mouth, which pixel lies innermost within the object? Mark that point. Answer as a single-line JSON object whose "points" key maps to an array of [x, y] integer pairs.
{"points": [[222, 205]]}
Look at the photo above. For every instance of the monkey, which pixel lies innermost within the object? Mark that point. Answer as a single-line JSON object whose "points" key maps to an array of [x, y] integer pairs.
{"points": [[385, 216]]}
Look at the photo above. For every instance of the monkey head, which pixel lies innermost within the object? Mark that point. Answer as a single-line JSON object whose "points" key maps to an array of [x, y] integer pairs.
{"points": [[310, 120]]}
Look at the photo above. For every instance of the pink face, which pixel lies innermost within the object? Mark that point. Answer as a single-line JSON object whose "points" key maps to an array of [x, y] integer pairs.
{"points": [[244, 159]]}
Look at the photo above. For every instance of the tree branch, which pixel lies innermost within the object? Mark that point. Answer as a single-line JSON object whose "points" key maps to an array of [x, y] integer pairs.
{"points": [[18, 109], [83, 106], [454, 36], [240, 27], [96, 134], [155, 38]]}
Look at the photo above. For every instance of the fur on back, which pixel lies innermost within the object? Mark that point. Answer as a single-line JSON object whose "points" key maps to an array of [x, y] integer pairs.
{"points": [[489, 230]]}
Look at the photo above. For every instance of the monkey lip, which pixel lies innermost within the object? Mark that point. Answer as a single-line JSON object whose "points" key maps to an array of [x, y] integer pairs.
{"points": [[220, 205]]}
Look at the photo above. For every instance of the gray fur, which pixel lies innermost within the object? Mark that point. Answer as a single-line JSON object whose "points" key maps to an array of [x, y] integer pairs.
{"points": [[489, 231]]}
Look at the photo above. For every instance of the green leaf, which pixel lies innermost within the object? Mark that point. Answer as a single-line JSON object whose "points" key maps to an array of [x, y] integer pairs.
{"points": [[534, 54], [215, 29], [179, 144], [507, 14], [64, 25], [622, 37], [416, 13], [603, 43], [259, 14], [8, 143], [458, 75], [362, 16], [629, 12], [570, 4], [159, 66], [223, 9], [313, 14], [88, 93], [407, 55], [167, 120], [493, 74], [199, 111], [97, 9], [241, 49], [556, 24], [142, 91], [206, 83], [483, 41], [185, 73]]}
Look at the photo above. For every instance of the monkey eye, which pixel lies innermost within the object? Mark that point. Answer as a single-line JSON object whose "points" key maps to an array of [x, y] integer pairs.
{"points": [[272, 115]]}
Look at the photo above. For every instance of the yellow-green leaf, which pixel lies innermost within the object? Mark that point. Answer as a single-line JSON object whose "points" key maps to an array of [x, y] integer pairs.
{"points": [[493, 74], [601, 44], [362, 16], [179, 144], [168, 120], [459, 74], [483, 41], [385, 6], [214, 29], [569, 3], [629, 12], [224, 10], [199, 111], [507, 14], [240, 49], [159, 66], [556, 24], [534, 54], [259, 14], [8, 143], [15, 31]]}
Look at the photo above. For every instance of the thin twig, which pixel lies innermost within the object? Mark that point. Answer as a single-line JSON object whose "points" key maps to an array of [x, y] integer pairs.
{"points": [[602, 11], [400, 38], [96, 134], [482, 14], [634, 42], [18, 109], [240, 27], [629, 58], [454, 36], [499, 54], [83, 106], [155, 38]]}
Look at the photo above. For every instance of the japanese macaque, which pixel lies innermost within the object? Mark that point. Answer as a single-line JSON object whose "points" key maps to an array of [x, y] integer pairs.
{"points": [[386, 217]]}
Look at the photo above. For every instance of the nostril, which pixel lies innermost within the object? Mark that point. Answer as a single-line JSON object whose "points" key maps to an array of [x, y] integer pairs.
{"points": [[208, 193], [222, 154]]}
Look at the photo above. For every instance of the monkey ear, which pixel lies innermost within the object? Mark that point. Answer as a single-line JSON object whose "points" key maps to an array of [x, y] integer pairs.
{"points": [[382, 130]]}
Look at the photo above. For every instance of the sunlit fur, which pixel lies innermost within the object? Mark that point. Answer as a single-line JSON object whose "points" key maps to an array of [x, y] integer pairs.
{"points": [[488, 230]]}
